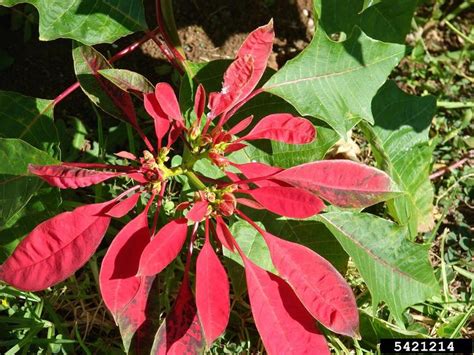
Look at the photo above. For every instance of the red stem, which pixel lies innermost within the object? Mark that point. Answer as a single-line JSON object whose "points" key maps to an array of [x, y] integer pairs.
{"points": [[453, 166], [144, 138], [190, 249], [206, 126], [129, 49], [241, 253], [166, 37], [66, 93], [168, 53], [126, 192], [150, 201], [252, 223]]}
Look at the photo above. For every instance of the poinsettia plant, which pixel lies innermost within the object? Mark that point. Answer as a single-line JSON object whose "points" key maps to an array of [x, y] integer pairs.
{"points": [[284, 306], [299, 293]]}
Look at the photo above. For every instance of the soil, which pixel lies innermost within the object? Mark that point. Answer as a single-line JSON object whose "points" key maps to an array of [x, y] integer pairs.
{"points": [[216, 29]]}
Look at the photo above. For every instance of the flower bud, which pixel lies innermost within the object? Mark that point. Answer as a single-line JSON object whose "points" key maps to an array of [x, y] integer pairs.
{"points": [[228, 204], [218, 159]]}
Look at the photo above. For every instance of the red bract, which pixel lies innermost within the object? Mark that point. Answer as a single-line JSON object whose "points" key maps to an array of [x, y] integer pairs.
{"points": [[282, 321], [163, 248], [66, 177], [343, 183], [285, 306], [244, 74], [55, 249], [212, 291]]}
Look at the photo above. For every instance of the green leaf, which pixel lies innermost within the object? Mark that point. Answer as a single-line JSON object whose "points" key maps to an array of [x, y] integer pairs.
{"points": [[395, 270], [102, 92], [336, 82], [206, 168], [16, 154], [368, 3], [87, 21], [29, 119], [372, 329], [128, 80], [16, 185], [452, 327], [399, 140], [253, 245], [386, 20]]}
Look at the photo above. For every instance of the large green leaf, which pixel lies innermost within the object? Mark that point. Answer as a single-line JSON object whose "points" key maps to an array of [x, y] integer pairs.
{"points": [[336, 82], [87, 21], [388, 20], [29, 119], [395, 270], [399, 139], [17, 186]]}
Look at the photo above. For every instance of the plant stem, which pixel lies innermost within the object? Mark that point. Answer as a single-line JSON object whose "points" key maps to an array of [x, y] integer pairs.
{"points": [[131, 142], [167, 24], [453, 105], [129, 49], [459, 33], [100, 131], [66, 93], [466, 158], [194, 180], [168, 53]]}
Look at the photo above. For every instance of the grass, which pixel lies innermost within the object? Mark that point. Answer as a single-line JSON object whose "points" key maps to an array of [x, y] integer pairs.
{"points": [[71, 318]]}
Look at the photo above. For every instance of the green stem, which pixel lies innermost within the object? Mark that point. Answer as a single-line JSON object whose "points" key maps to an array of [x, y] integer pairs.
{"points": [[463, 6], [377, 145], [186, 167], [459, 33], [454, 105], [194, 180], [95, 271], [443, 266], [131, 142], [100, 133]]}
